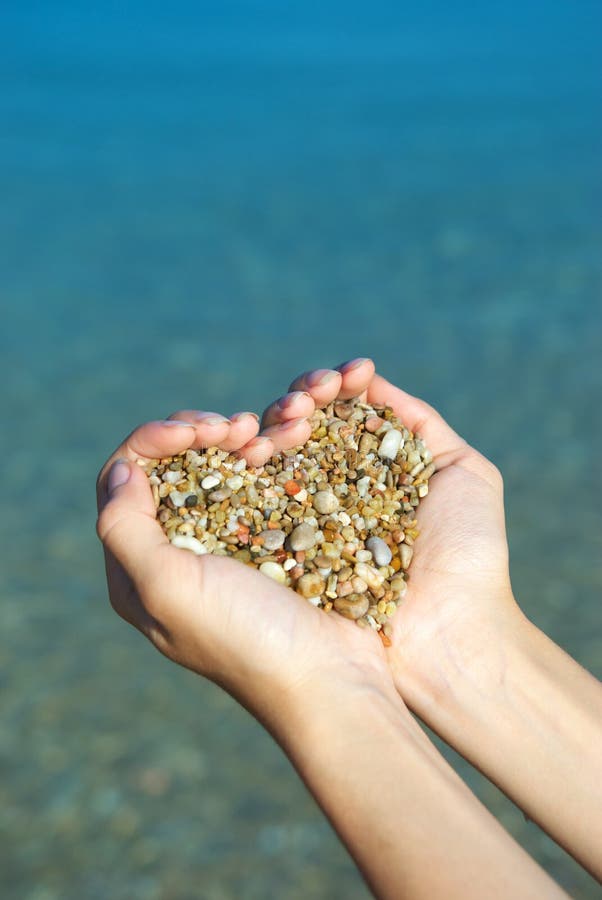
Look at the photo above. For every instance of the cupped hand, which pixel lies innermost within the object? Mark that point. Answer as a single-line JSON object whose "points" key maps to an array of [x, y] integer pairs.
{"points": [[459, 604], [223, 619]]}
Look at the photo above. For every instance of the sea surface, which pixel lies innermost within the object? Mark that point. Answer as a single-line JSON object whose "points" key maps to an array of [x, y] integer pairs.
{"points": [[197, 201]]}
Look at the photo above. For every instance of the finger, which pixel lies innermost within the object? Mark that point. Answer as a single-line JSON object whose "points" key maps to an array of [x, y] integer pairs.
{"points": [[356, 376], [290, 406], [212, 429], [243, 427], [323, 385], [258, 450], [288, 434], [153, 440], [127, 526], [416, 415]]}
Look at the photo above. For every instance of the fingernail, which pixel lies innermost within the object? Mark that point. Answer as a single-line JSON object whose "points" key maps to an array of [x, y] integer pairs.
{"points": [[321, 376], [119, 474], [171, 422], [289, 399], [292, 423], [243, 415], [353, 364], [258, 441], [211, 419]]}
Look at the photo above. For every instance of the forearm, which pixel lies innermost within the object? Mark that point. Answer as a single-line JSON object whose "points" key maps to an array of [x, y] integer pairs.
{"points": [[412, 826], [531, 721]]}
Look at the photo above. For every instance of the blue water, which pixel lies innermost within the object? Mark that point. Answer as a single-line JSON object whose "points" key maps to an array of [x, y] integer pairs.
{"points": [[196, 202]]}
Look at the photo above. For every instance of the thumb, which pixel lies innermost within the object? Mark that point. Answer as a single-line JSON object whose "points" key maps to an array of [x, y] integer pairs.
{"points": [[126, 523]]}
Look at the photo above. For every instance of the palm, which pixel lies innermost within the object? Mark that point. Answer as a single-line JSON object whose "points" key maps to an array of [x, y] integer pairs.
{"points": [[220, 607], [459, 570]]}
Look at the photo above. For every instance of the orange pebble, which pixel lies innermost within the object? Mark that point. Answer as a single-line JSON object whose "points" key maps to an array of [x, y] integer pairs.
{"points": [[300, 556], [291, 488], [385, 639]]}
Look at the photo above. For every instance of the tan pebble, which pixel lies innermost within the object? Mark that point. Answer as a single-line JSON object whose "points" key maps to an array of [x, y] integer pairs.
{"points": [[302, 537], [274, 571], [311, 584], [322, 561], [359, 585], [273, 538], [352, 607], [325, 502], [373, 423], [344, 588], [370, 575], [406, 553]]}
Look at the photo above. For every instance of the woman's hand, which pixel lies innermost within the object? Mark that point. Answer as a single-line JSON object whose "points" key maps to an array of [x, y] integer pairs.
{"points": [[262, 642], [463, 655]]}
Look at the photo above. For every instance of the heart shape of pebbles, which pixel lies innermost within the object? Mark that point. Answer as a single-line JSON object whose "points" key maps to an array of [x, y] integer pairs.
{"points": [[334, 519]]}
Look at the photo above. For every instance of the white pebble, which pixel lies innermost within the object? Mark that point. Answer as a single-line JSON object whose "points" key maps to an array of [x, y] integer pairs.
{"points": [[178, 498], [315, 601], [363, 556], [289, 564], [325, 502], [406, 553], [239, 466], [235, 483], [172, 477], [210, 481], [344, 519], [380, 551], [363, 485], [300, 496], [186, 542], [391, 444], [273, 570], [369, 574]]}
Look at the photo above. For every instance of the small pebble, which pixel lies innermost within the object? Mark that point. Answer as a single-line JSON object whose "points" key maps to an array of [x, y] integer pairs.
{"points": [[273, 570], [186, 542], [325, 502], [390, 444], [303, 537], [273, 538], [381, 553], [210, 481], [406, 553], [352, 607], [311, 584]]}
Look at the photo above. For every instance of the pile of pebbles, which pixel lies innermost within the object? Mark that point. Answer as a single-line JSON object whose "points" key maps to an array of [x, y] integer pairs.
{"points": [[334, 519]]}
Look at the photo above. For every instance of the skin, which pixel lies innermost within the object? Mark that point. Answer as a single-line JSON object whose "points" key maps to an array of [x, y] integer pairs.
{"points": [[274, 652]]}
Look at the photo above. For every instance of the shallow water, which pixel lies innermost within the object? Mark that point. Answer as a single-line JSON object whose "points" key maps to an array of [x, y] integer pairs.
{"points": [[196, 206]]}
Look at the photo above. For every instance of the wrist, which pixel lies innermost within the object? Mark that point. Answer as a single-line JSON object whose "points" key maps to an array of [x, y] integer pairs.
{"points": [[332, 702], [463, 657]]}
